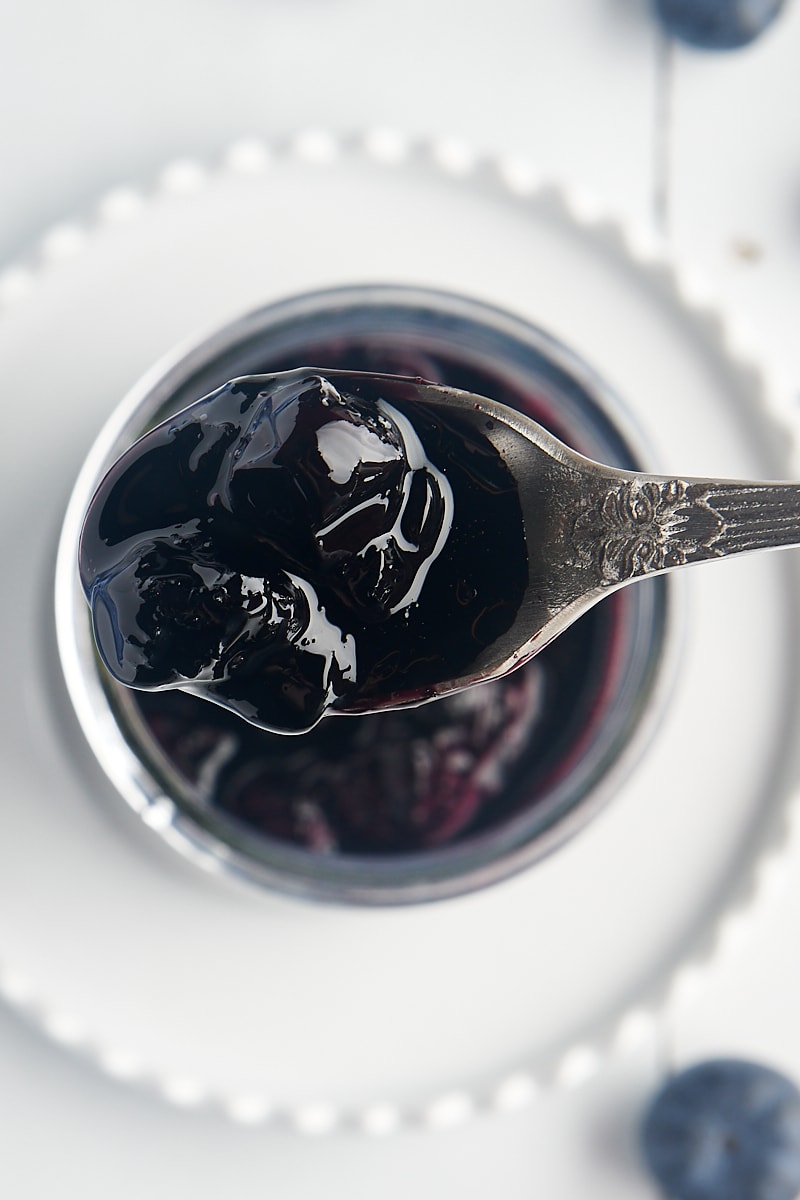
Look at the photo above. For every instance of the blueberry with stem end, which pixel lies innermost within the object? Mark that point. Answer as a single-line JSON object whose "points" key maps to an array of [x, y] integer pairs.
{"points": [[725, 1130], [717, 24]]}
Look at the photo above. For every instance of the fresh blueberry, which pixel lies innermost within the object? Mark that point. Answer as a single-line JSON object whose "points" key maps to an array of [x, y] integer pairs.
{"points": [[717, 24], [725, 1130]]}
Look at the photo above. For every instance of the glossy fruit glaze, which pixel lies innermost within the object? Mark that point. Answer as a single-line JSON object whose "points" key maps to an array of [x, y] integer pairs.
{"points": [[301, 541]]}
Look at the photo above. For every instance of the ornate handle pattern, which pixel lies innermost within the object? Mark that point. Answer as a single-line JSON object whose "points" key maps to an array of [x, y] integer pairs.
{"points": [[642, 525]]}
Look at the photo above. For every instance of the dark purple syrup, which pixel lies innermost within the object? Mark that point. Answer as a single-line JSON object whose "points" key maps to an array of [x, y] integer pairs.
{"points": [[390, 783], [298, 542]]}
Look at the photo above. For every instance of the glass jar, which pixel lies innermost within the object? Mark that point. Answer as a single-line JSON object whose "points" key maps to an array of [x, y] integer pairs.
{"points": [[419, 804]]}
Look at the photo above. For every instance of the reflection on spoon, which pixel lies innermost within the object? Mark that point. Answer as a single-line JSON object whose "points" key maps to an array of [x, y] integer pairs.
{"points": [[308, 542]]}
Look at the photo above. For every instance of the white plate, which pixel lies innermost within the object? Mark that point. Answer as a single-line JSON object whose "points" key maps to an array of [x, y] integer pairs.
{"points": [[217, 993]]}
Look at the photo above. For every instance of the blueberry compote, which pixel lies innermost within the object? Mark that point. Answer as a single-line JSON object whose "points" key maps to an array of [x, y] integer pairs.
{"points": [[409, 780], [297, 542]]}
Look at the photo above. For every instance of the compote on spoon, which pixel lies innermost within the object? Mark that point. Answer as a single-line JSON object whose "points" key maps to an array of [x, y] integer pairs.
{"points": [[311, 542]]}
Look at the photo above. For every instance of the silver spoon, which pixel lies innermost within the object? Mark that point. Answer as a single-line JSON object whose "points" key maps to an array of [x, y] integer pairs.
{"points": [[286, 546]]}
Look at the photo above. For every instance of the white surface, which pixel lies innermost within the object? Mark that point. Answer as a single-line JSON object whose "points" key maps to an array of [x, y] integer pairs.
{"points": [[94, 94], [98, 94], [736, 183]]}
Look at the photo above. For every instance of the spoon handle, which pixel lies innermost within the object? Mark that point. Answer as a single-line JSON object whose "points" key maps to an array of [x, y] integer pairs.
{"points": [[645, 524]]}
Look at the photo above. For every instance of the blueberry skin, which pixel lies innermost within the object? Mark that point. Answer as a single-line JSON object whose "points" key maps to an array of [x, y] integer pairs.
{"points": [[717, 24], [725, 1130]]}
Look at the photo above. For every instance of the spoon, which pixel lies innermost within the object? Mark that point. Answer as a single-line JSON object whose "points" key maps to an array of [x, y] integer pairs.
{"points": [[311, 542]]}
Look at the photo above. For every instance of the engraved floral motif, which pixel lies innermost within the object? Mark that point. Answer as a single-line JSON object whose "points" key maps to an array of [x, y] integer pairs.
{"points": [[645, 525]]}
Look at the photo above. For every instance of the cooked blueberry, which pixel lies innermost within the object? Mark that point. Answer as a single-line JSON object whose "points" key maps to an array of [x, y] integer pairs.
{"points": [[717, 24], [298, 542], [725, 1130]]}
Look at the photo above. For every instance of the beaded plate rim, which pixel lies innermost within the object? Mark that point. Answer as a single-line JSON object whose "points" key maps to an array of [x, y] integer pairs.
{"points": [[517, 178]]}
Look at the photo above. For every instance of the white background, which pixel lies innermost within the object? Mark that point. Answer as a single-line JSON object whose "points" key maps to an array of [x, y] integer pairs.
{"points": [[96, 94]]}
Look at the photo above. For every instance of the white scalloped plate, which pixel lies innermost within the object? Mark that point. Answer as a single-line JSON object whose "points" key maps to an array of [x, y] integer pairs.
{"points": [[266, 1006]]}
